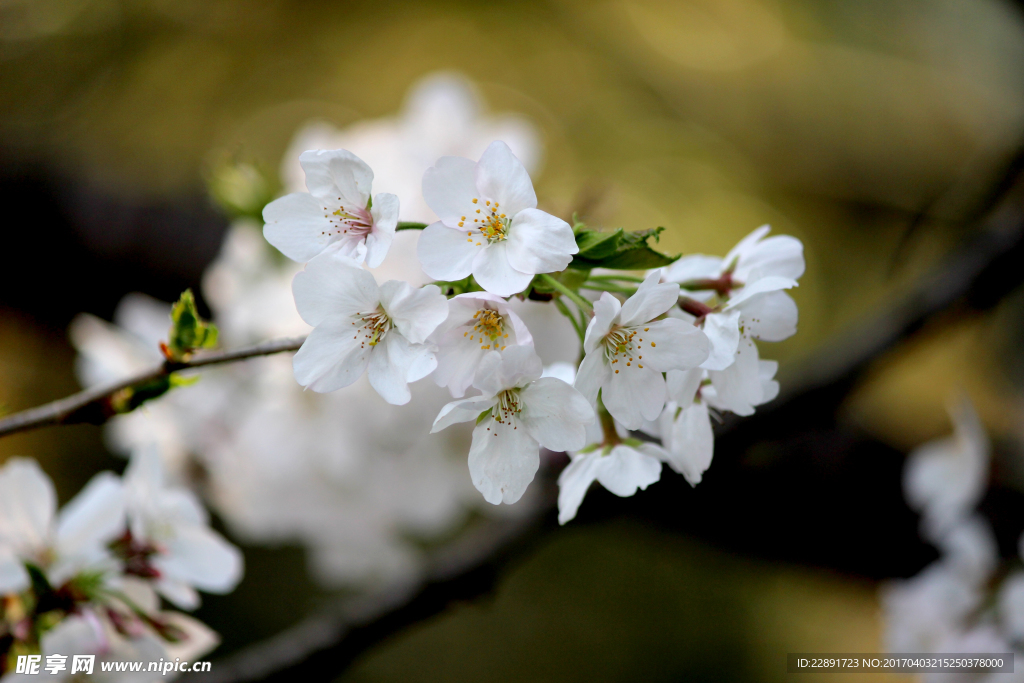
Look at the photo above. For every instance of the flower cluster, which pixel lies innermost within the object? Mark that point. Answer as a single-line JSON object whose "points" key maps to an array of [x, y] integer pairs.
{"points": [[969, 600], [658, 350], [329, 472], [89, 578]]}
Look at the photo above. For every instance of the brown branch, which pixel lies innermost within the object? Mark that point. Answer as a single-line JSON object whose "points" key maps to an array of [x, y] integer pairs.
{"points": [[93, 405]]}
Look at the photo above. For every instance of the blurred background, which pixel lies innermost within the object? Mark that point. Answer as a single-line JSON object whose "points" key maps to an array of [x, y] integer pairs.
{"points": [[135, 136]]}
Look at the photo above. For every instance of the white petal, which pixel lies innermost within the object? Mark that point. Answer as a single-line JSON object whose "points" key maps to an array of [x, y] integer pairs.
{"points": [[769, 387], [745, 246], [555, 414], [449, 187], [1011, 605], [457, 362], [539, 242], [573, 483], [93, 517], [500, 176], [634, 394], [763, 285], [771, 316], [946, 478], [970, 546], [337, 175], [415, 312], [27, 505], [682, 385], [561, 370], [13, 576], [693, 267], [495, 274], [390, 363], [445, 253], [295, 224], [605, 311], [461, 411], [738, 388], [332, 285], [689, 440], [592, 375], [178, 593], [200, 557], [626, 469], [503, 460], [651, 300], [671, 344], [723, 331], [780, 255], [513, 367], [331, 357], [385, 219]]}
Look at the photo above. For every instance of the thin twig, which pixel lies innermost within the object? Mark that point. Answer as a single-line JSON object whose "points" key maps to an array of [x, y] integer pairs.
{"points": [[91, 405]]}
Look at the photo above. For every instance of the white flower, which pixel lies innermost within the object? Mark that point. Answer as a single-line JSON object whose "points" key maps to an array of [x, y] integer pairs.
{"points": [[746, 288], [747, 383], [1011, 606], [970, 547], [622, 469], [172, 529], [477, 323], [443, 114], [32, 531], [490, 226], [503, 458], [628, 350], [924, 611], [359, 327], [945, 479], [337, 212], [685, 425], [90, 631]]}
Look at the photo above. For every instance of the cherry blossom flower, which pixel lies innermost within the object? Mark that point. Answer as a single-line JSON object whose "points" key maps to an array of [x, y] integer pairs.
{"points": [[443, 114], [503, 458], [477, 323], [490, 226], [359, 327], [336, 213], [169, 538], [622, 469], [945, 479], [741, 295], [685, 425], [61, 544], [90, 631], [747, 383], [628, 349]]}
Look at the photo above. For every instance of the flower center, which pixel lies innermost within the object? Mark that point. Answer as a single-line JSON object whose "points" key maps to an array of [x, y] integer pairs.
{"points": [[487, 221], [622, 347], [349, 220], [489, 326], [507, 408], [373, 327]]}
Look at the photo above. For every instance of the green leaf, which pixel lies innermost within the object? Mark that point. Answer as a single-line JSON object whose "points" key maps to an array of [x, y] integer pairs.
{"points": [[188, 331], [455, 287], [595, 246], [410, 225], [130, 398], [632, 251]]}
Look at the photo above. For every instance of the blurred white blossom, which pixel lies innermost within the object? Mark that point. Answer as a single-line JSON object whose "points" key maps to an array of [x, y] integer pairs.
{"points": [[61, 544]]}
